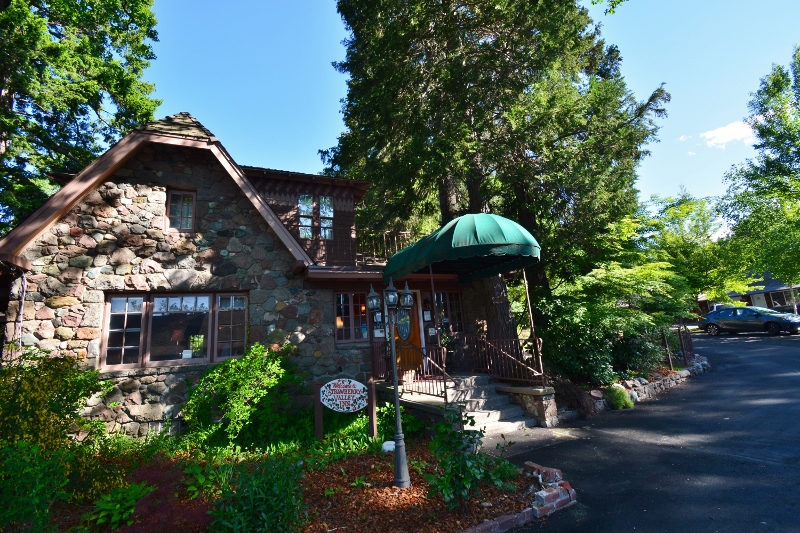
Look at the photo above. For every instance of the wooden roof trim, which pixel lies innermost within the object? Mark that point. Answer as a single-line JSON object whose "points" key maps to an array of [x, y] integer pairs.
{"points": [[65, 199], [360, 187]]}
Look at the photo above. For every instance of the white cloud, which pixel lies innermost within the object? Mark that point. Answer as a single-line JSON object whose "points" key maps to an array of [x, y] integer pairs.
{"points": [[735, 131], [691, 153], [684, 138]]}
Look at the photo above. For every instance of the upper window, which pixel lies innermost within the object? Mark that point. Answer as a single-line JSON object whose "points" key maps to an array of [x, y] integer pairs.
{"points": [[172, 329], [351, 317], [180, 211], [307, 219], [305, 211], [326, 217]]}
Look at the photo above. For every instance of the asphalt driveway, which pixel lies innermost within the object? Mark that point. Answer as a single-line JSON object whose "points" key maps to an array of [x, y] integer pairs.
{"points": [[720, 453]]}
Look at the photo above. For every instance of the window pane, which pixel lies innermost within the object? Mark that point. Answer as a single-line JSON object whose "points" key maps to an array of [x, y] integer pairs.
{"points": [[115, 340], [180, 332], [326, 206], [174, 221], [135, 305], [239, 302], [305, 204], [160, 305], [223, 334], [224, 303], [224, 318], [131, 356], [202, 303], [114, 356], [237, 349], [189, 303], [116, 322], [118, 305], [134, 322], [186, 200], [305, 232]]}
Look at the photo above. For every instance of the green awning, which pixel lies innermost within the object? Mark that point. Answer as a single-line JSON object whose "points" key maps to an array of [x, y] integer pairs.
{"points": [[471, 246]]}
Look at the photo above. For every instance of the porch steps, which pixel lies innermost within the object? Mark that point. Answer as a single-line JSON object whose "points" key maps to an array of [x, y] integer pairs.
{"points": [[491, 410]]}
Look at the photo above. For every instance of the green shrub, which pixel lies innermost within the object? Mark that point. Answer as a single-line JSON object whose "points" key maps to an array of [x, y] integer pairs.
{"points": [[265, 498], [618, 397], [43, 398], [118, 507], [412, 426], [461, 467], [31, 481], [240, 399]]}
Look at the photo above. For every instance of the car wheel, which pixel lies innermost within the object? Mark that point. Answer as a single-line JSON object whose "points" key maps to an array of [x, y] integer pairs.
{"points": [[712, 329], [773, 328]]}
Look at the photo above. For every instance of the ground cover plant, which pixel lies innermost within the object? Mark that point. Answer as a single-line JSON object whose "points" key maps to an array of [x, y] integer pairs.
{"points": [[224, 474]]}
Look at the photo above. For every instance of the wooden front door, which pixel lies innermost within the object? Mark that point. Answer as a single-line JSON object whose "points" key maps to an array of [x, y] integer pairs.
{"points": [[409, 352]]}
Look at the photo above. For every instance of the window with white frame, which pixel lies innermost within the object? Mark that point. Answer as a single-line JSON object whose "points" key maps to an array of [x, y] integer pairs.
{"points": [[326, 217], [173, 329]]}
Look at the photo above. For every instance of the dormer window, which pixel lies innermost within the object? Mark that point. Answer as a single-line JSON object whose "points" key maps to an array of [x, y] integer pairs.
{"points": [[307, 218], [326, 217], [180, 210], [305, 210]]}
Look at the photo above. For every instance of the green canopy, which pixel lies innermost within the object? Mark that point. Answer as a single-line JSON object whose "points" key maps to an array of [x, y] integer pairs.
{"points": [[472, 246]]}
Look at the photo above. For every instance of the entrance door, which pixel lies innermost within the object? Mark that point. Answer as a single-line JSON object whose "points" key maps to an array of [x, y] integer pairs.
{"points": [[409, 352], [759, 300]]}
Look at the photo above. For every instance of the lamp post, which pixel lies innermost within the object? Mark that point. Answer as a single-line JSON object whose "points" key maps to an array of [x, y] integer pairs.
{"points": [[406, 300]]}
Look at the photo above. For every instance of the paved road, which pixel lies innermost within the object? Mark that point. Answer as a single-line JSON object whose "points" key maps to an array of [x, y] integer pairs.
{"points": [[721, 453]]}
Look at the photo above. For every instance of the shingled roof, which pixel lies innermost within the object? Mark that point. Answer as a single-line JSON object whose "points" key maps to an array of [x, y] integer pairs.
{"points": [[181, 123]]}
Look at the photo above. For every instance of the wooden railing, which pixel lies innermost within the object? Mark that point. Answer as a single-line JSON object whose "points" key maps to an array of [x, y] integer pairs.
{"points": [[347, 246], [504, 359], [420, 370]]}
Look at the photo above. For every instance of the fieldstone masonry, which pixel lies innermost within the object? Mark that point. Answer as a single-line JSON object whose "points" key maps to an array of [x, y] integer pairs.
{"points": [[114, 240]]}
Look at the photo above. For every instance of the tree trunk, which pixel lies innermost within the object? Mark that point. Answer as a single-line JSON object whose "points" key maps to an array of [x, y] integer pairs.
{"points": [[448, 204], [499, 319]]}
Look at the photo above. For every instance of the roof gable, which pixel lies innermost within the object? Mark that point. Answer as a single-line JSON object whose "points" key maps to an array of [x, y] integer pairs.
{"points": [[177, 130]]}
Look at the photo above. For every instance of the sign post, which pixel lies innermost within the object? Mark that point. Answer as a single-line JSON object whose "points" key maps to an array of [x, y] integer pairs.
{"points": [[345, 396]]}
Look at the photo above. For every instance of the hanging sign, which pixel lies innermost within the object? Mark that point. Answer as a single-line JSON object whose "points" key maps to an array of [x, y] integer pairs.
{"points": [[344, 395]]}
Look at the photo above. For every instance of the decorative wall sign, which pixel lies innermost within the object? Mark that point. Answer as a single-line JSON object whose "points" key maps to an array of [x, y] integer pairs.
{"points": [[344, 395]]}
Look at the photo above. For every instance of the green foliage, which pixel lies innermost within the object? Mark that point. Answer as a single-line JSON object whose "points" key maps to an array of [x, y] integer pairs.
{"points": [[31, 481], [505, 470], [43, 398], [240, 399], [264, 498], [682, 233], [618, 397], [118, 507], [208, 478], [516, 108], [71, 76], [762, 203], [461, 466], [412, 426]]}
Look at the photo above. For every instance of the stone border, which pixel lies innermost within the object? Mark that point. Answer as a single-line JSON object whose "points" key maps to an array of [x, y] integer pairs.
{"points": [[557, 494]]}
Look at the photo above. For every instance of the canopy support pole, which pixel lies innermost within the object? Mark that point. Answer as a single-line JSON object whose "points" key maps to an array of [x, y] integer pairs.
{"points": [[433, 311], [536, 347]]}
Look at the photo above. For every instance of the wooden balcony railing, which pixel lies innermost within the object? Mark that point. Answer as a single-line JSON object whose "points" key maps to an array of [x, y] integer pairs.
{"points": [[350, 247]]}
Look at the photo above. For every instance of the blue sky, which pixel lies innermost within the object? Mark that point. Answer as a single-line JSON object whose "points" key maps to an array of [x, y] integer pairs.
{"points": [[258, 74]]}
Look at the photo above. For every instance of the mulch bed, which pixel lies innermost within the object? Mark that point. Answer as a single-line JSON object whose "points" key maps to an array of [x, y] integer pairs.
{"points": [[352, 495], [349, 506]]}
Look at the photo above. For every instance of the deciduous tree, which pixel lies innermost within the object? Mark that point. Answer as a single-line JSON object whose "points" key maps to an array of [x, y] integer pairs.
{"points": [[70, 84]]}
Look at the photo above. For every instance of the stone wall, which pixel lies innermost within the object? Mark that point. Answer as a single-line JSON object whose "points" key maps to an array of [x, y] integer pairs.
{"points": [[114, 240]]}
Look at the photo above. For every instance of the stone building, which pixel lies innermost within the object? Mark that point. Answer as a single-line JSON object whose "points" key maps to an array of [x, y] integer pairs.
{"points": [[165, 256]]}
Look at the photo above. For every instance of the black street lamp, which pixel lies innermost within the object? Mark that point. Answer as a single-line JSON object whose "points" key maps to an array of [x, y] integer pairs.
{"points": [[401, 477]]}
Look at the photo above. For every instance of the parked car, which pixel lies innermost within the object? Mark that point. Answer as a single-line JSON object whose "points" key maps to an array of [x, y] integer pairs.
{"points": [[735, 319], [785, 309]]}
